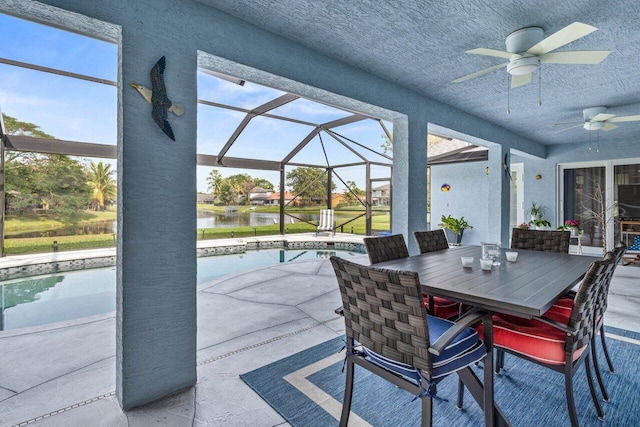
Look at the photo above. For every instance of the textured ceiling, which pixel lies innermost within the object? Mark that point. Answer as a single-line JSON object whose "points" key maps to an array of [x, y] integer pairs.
{"points": [[421, 44]]}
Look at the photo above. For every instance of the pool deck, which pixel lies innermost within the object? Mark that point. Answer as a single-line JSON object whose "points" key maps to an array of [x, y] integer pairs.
{"points": [[64, 374]]}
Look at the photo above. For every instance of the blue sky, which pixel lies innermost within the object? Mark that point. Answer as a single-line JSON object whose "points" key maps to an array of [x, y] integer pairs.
{"points": [[77, 110]]}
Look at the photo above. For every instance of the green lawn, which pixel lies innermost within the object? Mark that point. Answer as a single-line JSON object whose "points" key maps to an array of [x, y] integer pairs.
{"points": [[36, 223]]}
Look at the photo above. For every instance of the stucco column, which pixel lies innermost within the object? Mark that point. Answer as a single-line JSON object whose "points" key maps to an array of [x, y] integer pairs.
{"points": [[156, 281], [499, 195], [409, 177]]}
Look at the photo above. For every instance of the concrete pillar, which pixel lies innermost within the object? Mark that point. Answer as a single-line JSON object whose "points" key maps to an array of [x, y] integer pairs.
{"points": [[498, 197], [156, 280], [409, 177]]}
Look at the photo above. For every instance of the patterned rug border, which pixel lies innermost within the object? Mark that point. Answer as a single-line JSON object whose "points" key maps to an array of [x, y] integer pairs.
{"points": [[289, 386]]}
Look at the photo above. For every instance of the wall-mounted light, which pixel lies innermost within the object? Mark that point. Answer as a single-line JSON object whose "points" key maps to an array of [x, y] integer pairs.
{"points": [[538, 176], [486, 170]]}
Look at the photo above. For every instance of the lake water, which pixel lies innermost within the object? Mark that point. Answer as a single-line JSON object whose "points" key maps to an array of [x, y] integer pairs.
{"points": [[204, 220], [235, 219]]}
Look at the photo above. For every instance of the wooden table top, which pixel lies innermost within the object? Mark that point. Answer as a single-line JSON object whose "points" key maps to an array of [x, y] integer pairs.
{"points": [[525, 288]]}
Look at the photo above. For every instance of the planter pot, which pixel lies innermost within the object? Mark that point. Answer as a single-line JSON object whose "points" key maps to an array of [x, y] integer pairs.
{"points": [[453, 238]]}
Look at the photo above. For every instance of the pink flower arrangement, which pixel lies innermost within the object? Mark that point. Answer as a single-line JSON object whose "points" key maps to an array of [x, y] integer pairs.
{"points": [[572, 223], [524, 226]]}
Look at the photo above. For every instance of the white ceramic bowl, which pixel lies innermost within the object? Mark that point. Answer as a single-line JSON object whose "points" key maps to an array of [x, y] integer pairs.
{"points": [[467, 261], [486, 264], [511, 256]]}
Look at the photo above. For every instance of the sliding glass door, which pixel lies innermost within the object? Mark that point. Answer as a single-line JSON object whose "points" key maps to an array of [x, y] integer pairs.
{"points": [[589, 193], [584, 201]]}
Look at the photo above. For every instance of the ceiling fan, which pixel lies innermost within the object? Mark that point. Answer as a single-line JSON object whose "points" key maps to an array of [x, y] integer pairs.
{"points": [[595, 118], [527, 49]]}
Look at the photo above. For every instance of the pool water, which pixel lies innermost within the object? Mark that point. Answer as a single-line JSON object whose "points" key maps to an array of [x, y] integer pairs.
{"points": [[51, 298]]}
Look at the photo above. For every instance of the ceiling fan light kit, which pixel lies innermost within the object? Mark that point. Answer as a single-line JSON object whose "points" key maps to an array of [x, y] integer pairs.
{"points": [[522, 66]]}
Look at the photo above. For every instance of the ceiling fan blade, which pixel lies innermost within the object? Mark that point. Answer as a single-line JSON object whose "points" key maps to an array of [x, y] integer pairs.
{"points": [[560, 38], [602, 117], [571, 127], [493, 52], [624, 119], [521, 80], [480, 73], [575, 57], [566, 123], [609, 126]]}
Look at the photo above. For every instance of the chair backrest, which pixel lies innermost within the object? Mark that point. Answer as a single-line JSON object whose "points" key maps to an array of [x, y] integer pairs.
{"points": [[585, 303], [325, 221], [619, 251], [541, 240], [603, 297], [431, 241], [384, 311], [385, 248]]}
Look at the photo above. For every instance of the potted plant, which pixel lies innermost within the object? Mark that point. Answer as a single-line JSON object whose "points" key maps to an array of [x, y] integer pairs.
{"points": [[541, 224], [571, 225], [453, 227], [536, 212]]}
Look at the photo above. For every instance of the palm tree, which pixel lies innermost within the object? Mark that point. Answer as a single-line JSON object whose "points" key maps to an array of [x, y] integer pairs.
{"points": [[103, 186], [214, 183]]}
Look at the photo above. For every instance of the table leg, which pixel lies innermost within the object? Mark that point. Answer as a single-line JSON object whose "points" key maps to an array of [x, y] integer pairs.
{"points": [[487, 325], [484, 394], [474, 385]]}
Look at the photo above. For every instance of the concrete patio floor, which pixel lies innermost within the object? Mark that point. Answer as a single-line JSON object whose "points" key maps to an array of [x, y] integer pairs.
{"points": [[64, 374]]}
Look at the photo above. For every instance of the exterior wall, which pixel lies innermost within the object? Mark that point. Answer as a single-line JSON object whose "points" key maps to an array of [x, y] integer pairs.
{"points": [[467, 197], [544, 190], [156, 319]]}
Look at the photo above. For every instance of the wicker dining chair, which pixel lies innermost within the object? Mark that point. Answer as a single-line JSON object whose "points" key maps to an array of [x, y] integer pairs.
{"points": [[389, 333], [561, 344], [562, 308], [385, 248], [540, 240], [433, 241]]}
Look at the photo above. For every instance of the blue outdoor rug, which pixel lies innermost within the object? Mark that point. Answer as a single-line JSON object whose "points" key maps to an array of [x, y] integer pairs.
{"points": [[307, 388]]}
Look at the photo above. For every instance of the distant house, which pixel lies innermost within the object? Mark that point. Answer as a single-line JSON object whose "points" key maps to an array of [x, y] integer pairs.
{"points": [[337, 199], [259, 196], [381, 196], [274, 198], [205, 198]]}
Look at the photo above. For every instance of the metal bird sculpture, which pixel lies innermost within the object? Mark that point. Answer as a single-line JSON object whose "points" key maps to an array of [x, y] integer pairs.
{"points": [[505, 165], [157, 97]]}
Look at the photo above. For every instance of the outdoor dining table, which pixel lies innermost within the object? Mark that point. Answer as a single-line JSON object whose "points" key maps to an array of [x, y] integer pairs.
{"points": [[525, 288]]}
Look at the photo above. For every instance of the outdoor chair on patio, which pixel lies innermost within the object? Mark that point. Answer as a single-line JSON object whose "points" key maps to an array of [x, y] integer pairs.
{"points": [[432, 241], [558, 343], [562, 309], [389, 333], [387, 248], [326, 222], [541, 240]]}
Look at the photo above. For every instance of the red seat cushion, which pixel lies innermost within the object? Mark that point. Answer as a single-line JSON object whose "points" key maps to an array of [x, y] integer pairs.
{"points": [[443, 308], [531, 337], [561, 310]]}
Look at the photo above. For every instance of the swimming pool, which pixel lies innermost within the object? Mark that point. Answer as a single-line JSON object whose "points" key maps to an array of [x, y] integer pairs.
{"points": [[50, 298]]}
